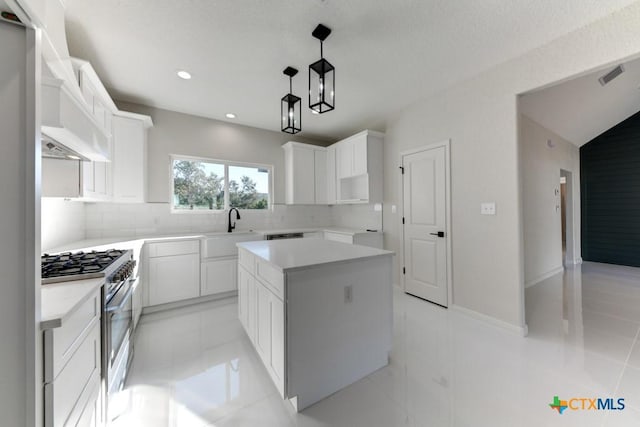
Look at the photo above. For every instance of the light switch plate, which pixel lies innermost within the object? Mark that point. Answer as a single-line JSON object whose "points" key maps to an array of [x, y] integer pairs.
{"points": [[488, 208]]}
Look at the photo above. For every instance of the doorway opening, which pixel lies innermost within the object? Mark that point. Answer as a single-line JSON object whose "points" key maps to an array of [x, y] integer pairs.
{"points": [[566, 217]]}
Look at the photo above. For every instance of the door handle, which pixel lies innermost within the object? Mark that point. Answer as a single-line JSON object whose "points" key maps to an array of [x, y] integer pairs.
{"points": [[439, 234]]}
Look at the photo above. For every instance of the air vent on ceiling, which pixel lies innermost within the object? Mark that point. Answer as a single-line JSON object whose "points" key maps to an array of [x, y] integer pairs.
{"points": [[611, 75]]}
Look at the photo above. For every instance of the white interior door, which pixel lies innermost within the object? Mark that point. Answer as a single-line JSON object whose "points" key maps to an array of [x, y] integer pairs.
{"points": [[425, 224]]}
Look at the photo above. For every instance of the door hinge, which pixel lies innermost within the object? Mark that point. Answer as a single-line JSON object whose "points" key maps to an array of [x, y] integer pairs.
{"points": [[403, 220], [402, 170], [404, 270]]}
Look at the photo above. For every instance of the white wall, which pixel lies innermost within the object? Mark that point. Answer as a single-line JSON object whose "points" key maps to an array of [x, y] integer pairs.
{"points": [[540, 169], [183, 134], [480, 118], [63, 221]]}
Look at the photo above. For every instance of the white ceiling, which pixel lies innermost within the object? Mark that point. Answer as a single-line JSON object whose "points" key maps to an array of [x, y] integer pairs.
{"points": [[581, 109], [387, 54]]}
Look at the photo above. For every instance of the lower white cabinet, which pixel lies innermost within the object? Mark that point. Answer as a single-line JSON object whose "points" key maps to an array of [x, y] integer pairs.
{"points": [[218, 275], [261, 313], [174, 278], [72, 368]]}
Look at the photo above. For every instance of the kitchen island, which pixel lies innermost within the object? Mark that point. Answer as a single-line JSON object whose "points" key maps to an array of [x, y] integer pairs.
{"points": [[319, 313]]}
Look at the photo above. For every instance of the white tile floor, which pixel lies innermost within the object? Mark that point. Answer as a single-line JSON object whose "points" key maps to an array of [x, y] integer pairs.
{"points": [[196, 367]]}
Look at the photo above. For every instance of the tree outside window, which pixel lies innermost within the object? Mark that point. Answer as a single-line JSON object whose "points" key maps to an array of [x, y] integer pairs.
{"points": [[200, 185]]}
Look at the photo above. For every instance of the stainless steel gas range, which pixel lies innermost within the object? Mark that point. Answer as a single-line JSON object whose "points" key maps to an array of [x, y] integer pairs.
{"points": [[117, 267]]}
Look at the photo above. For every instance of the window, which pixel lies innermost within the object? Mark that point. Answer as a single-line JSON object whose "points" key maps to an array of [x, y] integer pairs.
{"points": [[207, 185]]}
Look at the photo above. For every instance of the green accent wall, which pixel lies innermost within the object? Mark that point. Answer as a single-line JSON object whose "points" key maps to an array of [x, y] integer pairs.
{"points": [[610, 195]]}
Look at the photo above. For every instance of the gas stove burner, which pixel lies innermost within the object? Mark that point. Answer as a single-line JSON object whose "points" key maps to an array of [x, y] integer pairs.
{"points": [[79, 265]]}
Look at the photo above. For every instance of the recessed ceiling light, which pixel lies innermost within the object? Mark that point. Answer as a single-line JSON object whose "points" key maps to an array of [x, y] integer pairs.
{"points": [[230, 116], [185, 75]]}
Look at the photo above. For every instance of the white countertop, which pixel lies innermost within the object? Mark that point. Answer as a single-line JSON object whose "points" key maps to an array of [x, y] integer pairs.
{"points": [[133, 242], [341, 230], [60, 300], [294, 254]]}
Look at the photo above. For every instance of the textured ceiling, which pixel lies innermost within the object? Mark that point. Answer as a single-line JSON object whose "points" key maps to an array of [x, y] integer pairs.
{"points": [[581, 109], [388, 54]]}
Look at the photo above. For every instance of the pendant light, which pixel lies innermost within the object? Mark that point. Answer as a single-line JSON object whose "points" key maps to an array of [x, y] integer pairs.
{"points": [[321, 77], [291, 107]]}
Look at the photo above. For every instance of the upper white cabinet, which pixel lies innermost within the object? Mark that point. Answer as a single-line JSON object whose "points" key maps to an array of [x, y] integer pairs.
{"points": [[305, 174], [359, 168], [331, 175], [130, 156], [95, 181], [76, 179]]}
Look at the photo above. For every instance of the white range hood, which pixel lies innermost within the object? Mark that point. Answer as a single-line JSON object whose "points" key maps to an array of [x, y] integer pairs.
{"points": [[67, 122]]}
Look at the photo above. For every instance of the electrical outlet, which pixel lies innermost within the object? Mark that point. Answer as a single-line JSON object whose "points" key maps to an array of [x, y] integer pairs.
{"points": [[348, 294], [488, 208]]}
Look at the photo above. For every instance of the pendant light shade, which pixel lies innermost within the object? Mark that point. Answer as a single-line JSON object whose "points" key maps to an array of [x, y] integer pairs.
{"points": [[322, 77], [291, 107]]}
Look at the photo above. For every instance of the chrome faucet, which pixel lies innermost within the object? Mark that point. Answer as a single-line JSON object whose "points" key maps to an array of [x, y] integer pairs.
{"points": [[232, 226]]}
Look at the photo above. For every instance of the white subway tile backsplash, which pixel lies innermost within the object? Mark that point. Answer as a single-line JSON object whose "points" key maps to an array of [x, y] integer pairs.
{"points": [[62, 222], [126, 220]]}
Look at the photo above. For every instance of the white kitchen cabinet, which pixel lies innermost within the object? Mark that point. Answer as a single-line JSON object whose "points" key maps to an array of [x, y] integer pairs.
{"points": [[218, 275], [130, 157], [244, 285], [262, 314], [331, 175], [277, 338], [263, 317], [72, 367], [84, 180], [308, 348], [95, 181], [359, 168], [305, 174], [173, 271], [174, 278], [320, 176]]}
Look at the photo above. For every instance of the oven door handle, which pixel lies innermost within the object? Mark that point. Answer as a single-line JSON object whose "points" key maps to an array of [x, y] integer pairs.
{"points": [[111, 308]]}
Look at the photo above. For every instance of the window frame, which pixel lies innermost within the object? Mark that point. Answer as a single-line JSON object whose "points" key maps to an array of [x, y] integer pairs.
{"points": [[226, 164]]}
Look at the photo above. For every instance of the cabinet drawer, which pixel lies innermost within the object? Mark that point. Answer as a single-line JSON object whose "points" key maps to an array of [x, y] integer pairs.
{"points": [[246, 260], [174, 248], [338, 237], [61, 343], [270, 276], [64, 401]]}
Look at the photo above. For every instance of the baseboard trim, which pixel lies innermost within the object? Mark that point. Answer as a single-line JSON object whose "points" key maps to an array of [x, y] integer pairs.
{"points": [[518, 330], [544, 276]]}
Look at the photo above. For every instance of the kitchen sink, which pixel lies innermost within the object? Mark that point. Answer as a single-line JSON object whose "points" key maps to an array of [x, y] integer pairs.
{"points": [[224, 244]]}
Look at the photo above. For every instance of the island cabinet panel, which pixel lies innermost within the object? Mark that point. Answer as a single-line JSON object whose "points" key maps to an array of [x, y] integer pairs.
{"points": [[263, 337], [322, 312], [339, 326], [261, 312]]}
